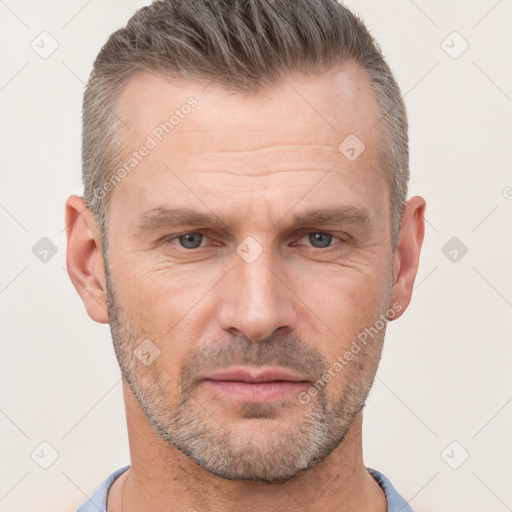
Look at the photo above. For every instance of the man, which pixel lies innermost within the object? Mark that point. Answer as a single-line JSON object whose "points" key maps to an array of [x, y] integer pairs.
{"points": [[245, 232]]}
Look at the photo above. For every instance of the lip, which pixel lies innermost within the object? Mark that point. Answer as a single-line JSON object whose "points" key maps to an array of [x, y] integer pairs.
{"points": [[255, 376], [263, 385]]}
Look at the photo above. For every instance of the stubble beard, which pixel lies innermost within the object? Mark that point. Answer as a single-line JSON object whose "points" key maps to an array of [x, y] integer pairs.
{"points": [[278, 452]]}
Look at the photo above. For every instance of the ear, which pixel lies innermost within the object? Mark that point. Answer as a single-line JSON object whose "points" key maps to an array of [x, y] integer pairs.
{"points": [[407, 254], [84, 258]]}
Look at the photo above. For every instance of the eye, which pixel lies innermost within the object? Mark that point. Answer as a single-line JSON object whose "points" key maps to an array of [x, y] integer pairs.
{"points": [[320, 240], [190, 240]]}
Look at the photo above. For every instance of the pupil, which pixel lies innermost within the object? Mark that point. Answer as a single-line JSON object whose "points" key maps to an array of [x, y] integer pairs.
{"points": [[191, 240], [320, 239]]}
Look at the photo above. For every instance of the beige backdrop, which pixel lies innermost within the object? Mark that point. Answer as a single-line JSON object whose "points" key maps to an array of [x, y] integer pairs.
{"points": [[439, 418]]}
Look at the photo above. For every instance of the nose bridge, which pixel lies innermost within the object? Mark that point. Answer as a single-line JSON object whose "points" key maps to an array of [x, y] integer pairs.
{"points": [[257, 301], [259, 284]]}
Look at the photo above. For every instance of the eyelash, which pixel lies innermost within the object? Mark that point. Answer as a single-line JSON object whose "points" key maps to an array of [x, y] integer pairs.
{"points": [[339, 237]]}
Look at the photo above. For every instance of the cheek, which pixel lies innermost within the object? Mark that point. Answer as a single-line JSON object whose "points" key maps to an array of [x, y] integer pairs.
{"points": [[349, 303], [346, 300], [160, 297], [172, 309]]}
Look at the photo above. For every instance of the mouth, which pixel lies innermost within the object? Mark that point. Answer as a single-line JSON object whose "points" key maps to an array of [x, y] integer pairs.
{"points": [[262, 385]]}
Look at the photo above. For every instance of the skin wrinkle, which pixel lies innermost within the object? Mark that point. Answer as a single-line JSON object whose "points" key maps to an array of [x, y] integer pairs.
{"points": [[272, 148], [295, 306], [183, 420], [260, 175], [250, 166]]}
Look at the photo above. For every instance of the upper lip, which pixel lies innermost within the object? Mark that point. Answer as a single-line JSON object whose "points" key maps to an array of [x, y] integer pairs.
{"points": [[260, 375]]}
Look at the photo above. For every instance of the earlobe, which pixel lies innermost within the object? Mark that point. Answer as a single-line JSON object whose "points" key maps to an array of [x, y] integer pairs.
{"points": [[407, 254], [84, 258]]}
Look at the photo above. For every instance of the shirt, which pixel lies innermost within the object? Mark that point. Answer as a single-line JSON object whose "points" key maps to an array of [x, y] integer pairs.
{"points": [[98, 501]]}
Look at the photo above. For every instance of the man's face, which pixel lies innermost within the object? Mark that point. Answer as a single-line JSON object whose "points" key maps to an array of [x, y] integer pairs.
{"points": [[276, 256]]}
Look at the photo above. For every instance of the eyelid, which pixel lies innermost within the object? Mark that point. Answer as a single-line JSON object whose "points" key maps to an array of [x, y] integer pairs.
{"points": [[340, 236], [170, 238]]}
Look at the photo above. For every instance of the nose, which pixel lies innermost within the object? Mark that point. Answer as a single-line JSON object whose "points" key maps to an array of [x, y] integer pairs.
{"points": [[257, 300]]}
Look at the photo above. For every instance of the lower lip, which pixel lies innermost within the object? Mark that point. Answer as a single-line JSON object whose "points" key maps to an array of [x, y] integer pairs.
{"points": [[257, 391]]}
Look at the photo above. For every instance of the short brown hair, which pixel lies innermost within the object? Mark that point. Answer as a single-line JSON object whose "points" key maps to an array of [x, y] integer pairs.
{"points": [[245, 45]]}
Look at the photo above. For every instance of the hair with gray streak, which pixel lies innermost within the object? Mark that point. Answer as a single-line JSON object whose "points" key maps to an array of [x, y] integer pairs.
{"points": [[244, 45]]}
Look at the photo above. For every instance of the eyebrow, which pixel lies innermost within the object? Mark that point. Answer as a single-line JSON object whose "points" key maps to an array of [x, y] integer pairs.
{"points": [[164, 217], [340, 215]]}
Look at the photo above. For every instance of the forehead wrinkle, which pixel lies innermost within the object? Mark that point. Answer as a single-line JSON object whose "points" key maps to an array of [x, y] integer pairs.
{"points": [[233, 159], [253, 175], [274, 148]]}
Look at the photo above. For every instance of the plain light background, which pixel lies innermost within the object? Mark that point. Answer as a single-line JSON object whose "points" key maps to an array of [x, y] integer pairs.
{"points": [[443, 391]]}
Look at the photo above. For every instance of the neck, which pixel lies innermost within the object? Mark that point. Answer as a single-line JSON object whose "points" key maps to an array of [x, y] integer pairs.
{"points": [[163, 478]]}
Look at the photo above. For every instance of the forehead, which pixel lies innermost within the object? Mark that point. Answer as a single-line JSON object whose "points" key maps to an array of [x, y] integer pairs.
{"points": [[333, 104], [206, 138]]}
